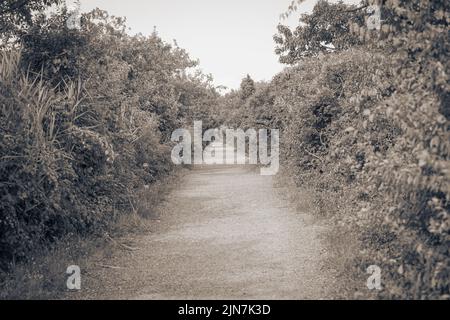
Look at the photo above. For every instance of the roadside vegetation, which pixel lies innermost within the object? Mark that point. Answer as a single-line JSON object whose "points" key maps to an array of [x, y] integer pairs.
{"points": [[85, 123], [365, 127], [86, 116]]}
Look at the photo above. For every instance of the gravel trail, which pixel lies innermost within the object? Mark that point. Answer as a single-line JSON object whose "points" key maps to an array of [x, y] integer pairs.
{"points": [[224, 232]]}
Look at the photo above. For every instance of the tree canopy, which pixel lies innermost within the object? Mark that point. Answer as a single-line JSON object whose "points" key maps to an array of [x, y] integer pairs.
{"points": [[326, 29]]}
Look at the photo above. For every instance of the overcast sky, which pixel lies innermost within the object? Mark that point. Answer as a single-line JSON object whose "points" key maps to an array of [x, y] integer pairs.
{"points": [[230, 37]]}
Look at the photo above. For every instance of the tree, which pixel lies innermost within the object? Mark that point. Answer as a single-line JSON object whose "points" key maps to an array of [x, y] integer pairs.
{"points": [[247, 87], [326, 29], [17, 15]]}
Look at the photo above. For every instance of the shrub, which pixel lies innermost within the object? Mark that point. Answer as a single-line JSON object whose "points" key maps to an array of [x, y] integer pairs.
{"points": [[85, 120], [367, 129]]}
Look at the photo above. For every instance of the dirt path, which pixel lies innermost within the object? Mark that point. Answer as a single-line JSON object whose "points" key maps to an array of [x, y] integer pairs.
{"points": [[224, 232]]}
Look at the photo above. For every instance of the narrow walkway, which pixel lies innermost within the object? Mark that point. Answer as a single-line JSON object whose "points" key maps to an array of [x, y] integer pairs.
{"points": [[226, 232]]}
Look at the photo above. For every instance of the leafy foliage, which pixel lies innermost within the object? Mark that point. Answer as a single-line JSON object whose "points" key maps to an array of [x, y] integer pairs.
{"points": [[247, 87], [17, 15], [85, 120], [327, 29], [367, 128]]}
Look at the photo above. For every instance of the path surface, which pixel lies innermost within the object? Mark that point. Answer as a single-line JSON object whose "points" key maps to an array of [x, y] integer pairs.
{"points": [[226, 232]]}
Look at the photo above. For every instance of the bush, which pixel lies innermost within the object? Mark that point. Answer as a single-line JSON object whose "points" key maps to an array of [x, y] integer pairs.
{"points": [[86, 117], [367, 128]]}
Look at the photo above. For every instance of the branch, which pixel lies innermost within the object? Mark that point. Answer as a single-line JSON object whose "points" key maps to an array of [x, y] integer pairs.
{"points": [[313, 154], [356, 9], [120, 244], [108, 266]]}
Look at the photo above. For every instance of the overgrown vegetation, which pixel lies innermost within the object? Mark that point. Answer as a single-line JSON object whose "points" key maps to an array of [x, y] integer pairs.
{"points": [[365, 124], [86, 116]]}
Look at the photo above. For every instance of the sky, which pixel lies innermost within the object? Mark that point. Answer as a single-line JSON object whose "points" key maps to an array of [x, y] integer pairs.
{"points": [[231, 38]]}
